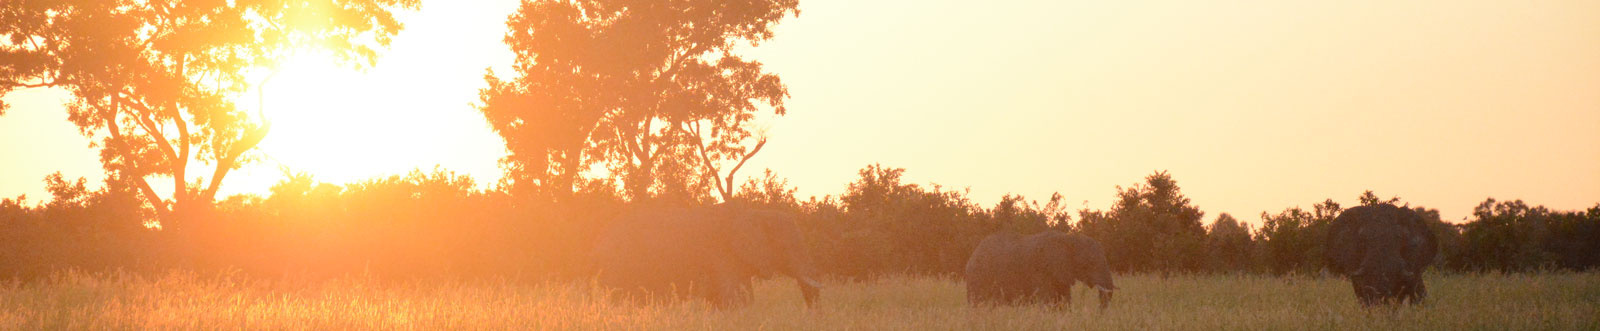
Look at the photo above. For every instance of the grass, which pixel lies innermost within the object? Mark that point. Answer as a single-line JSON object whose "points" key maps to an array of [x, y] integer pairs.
{"points": [[1562, 301]]}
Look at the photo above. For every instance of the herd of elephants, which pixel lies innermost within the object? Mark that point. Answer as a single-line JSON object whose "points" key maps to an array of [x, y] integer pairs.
{"points": [[714, 253]]}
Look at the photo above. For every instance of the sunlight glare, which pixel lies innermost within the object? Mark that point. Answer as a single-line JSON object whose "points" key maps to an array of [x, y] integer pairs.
{"points": [[316, 124], [343, 125], [412, 109]]}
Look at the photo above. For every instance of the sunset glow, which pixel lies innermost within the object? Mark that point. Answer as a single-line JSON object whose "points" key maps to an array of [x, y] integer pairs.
{"points": [[1253, 108], [799, 164]]}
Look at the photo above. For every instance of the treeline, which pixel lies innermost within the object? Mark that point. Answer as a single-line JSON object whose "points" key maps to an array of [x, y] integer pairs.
{"points": [[435, 224]]}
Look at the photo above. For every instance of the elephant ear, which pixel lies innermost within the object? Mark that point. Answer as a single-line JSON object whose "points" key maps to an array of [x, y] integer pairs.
{"points": [[1343, 249], [751, 241], [1421, 244]]}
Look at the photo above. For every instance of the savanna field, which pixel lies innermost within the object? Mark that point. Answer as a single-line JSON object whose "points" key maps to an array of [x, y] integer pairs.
{"points": [[1489, 301]]}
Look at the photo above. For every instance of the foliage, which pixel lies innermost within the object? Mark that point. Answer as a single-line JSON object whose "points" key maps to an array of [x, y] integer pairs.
{"points": [[1014, 213], [82, 229], [883, 225], [155, 79], [1511, 235], [1293, 239], [1228, 245], [1151, 226], [650, 90], [769, 191], [439, 225]]}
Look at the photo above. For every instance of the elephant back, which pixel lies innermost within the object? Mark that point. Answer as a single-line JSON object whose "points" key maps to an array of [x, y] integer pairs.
{"points": [[648, 248], [994, 256]]}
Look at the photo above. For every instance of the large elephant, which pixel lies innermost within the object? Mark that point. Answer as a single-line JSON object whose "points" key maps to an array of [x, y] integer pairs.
{"points": [[707, 252], [1383, 249], [1010, 268]]}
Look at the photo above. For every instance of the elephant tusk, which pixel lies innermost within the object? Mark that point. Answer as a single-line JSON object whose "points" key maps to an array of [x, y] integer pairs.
{"points": [[1102, 289], [811, 282]]}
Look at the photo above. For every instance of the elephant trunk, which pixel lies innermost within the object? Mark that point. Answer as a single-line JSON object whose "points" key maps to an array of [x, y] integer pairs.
{"points": [[1103, 284], [1105, 296], [799, 266]]}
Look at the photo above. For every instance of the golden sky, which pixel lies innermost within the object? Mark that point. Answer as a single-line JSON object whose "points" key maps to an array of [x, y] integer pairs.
{"points": [[1251, 105]]}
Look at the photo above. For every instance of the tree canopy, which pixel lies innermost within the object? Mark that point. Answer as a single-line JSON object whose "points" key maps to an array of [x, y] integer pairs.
{"points": [[650, 91], [155, 80], [1152, 226]]}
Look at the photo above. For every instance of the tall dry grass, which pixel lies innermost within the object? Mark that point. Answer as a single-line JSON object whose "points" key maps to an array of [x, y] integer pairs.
{"points": [[1549, 301]]}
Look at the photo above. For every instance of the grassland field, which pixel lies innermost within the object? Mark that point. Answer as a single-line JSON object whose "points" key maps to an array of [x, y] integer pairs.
{"points": [[181, 300]]}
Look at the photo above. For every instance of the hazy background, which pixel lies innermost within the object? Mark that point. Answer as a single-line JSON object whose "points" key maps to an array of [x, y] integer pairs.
{"points": [[1251, 105]]}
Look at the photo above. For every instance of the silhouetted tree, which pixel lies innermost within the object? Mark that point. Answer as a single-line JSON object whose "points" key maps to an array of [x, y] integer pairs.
{"points": [[1575, 239], [154, 77], [1151, 227], [640, 87], [881, 225], [1228, 244], [1015, 213], [768, 191], [438, 224], [89, 230], [1507, 235], [1293, 239]]}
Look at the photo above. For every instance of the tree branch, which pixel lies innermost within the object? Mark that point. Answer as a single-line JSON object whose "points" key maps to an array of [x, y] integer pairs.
{"points": [[160, 206], [251, 138], [180, 185], [52, 83], [646, 150], [700, 145], [149, 126], [225, 163], [746, 158]]}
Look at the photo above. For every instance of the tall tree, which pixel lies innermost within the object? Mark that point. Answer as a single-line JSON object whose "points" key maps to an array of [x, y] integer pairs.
{"points": [[155, 80], [1152, 226], [1228, 244], [906, 227], [636, 86], [1508, 235], [1293, 239]]}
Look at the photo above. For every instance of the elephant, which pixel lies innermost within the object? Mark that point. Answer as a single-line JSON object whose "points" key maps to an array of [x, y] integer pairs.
{"points": [[1010, 268], [706, 252], [1383, 249]]}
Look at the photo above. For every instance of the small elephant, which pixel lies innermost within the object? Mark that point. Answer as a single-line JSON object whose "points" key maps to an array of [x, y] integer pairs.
{"points": [[706, 252], [1010, 268], [1383, 249]]}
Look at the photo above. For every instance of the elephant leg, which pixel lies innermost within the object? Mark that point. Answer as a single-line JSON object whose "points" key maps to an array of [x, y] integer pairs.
{"points": [[1058, 295], [746, 292], [1015, 295], [1418, 292], [728, 289], [1365, 293], [979, 294], [973, 297], [721, 293], [730, 294]]}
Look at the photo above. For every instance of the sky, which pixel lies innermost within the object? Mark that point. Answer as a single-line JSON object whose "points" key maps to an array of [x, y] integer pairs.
{"points": [[1251, 106]]}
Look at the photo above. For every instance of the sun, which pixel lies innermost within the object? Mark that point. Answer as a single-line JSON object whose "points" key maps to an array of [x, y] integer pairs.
{"points": [[325, 122], [341, 124], [411, 109]]}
